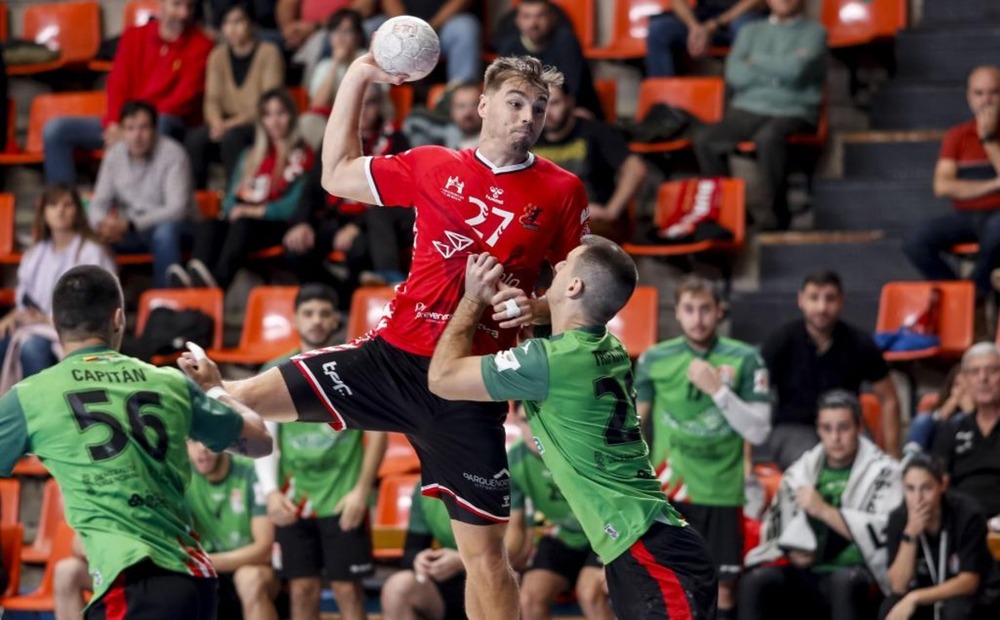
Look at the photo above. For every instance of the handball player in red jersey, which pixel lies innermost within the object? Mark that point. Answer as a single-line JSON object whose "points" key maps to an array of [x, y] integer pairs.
{"points": [[498, 198]]}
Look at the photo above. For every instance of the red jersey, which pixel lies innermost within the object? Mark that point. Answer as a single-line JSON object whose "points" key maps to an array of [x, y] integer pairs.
{"points": [[521, 214], [962, 144]]}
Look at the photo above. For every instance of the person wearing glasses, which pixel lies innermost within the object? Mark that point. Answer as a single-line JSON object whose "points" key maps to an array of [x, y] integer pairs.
{"points": [[970, 450]]}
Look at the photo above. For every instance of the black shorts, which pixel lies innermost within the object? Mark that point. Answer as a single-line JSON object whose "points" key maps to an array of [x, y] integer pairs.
{"points": [[666, 574], [722, 529], [553, 555], [453, 594], [144, 591], [230, 607], [372, 385], [311, 547]]}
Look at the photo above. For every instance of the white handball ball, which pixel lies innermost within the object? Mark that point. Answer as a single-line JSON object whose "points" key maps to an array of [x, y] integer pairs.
{"points": [[406, 45]]}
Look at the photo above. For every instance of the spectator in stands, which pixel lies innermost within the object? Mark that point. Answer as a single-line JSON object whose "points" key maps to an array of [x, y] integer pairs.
{"points": [[372, 239], [260, 12], [940, 565], [822, 548], [457, 25], [695, 29], [431, 585], [562, 560], [163, 63], [317, 483], [775, 72], [704, 396], [460, 131], [263, 193], [61, 239], [818, 353], [301, 24], [967, 173], [954, 402], [231, 518], [240, 70], [540, 34], [970, 449], [347, 42], [597, 153], [143, 200]]}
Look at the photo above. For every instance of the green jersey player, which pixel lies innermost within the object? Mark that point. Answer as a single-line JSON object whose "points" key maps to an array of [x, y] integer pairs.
{"points": [[112, 431], [577, 388]]}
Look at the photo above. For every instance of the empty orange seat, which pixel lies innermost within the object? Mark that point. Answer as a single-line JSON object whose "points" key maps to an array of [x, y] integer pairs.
{"points": [[872, 411], [704, 97], [30, 465], [902, 300], [637, 325], [41, 600], [629, 29], [392, 514], [965, 249], [732, 217], [400, 457], [48, 524], [207, 300], [10, 501], [402, 100], [46, 107], [607, 92], [73, 28], [267, 327], [11, 540], [8, 253], [857, 22], [367, 307]]}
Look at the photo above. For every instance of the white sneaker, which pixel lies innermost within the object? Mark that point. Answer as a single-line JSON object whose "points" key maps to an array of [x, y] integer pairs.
{"points": [[177, 277], [200, 274]]}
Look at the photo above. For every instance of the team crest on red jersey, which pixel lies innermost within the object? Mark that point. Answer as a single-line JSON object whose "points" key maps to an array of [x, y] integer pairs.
{"points": [[529, 217]]}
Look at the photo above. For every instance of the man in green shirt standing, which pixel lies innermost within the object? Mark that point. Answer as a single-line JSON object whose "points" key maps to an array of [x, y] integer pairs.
{"points": [[231, 518], [317, 484], [577, 388], [112, 431], [704, 396]]}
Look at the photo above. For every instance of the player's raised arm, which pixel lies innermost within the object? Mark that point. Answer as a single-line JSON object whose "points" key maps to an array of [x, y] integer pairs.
{"points": [[454, 372], [343, 165]]}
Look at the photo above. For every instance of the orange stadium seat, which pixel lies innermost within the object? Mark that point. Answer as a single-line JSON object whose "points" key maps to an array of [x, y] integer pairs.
{"points": [[136, 13], [7, 297], [300, 97], [872, 411], [400, 457], [637, 325], [207, 300], [732, 217], [607, 92], [267, 327], [392, 514], [367, 305], [402, 100], [434, 94], [704, 97], [10, 501], [857, 22], [51, 518], [41, 600], [11, 540], [629, 29], [73, 28], [4, 24], [30, 465], [43, 109], [8, 253], [901, 300]]}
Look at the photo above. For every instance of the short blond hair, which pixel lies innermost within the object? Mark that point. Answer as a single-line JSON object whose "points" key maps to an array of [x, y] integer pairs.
{"points": [[525, 68]]}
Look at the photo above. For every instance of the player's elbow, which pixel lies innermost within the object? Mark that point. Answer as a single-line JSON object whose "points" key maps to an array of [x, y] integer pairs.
{"points": [[759, 434], [440, 381]]}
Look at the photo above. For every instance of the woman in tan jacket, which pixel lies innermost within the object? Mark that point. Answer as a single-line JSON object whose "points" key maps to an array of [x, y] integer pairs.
{"points": [[240, 70]]}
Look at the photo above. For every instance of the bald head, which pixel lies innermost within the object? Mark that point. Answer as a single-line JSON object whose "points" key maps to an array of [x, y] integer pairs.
{"points": [[984, 88]]}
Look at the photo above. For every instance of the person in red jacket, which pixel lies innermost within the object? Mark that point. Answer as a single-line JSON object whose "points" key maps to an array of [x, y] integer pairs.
{"points": [[162, 62]]}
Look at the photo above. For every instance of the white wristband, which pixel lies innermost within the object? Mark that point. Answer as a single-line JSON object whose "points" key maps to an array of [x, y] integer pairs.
{"points": [[216, 392]]}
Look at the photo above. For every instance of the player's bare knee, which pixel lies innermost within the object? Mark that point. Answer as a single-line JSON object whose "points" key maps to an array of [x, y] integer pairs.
{"points": [[398, 592], [533, 601], [252, 582], [305, 590], [347, 592]]}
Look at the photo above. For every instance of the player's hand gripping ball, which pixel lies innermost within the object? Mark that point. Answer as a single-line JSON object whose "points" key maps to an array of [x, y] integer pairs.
{"points": [[406, 45]]}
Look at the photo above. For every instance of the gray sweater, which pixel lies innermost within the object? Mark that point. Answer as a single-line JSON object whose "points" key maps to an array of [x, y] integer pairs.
{"points": [[778, 69], [146, 192]]}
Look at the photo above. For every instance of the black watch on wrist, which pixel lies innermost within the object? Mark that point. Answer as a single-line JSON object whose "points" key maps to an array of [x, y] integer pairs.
{"points": [[907, 538]]}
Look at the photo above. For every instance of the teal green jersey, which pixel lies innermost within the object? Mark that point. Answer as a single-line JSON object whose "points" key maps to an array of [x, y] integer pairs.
{"points": [[112, 431], [578, 393], [429, 517], [223, 510], [698, 456], [318, 465], [833, 551], [531, 481]]}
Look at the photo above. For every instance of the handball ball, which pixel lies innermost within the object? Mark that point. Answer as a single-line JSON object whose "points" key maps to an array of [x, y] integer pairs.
{"points": [[406, 45]]}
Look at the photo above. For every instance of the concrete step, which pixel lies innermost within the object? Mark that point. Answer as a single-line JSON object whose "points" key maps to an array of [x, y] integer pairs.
{"points": [[946, 54], [948, 12], [892, 205], [890, 160], [919, 105]]}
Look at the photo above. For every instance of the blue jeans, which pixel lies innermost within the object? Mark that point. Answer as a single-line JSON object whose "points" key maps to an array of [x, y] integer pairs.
{"points": [[924, 428], [62, 135], [461, 44], [667, 34], [36, 354], [163, 241], [925, 243]]}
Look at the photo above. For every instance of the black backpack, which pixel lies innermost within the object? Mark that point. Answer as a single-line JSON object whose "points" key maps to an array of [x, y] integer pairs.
{"points": [[167, 330]]}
